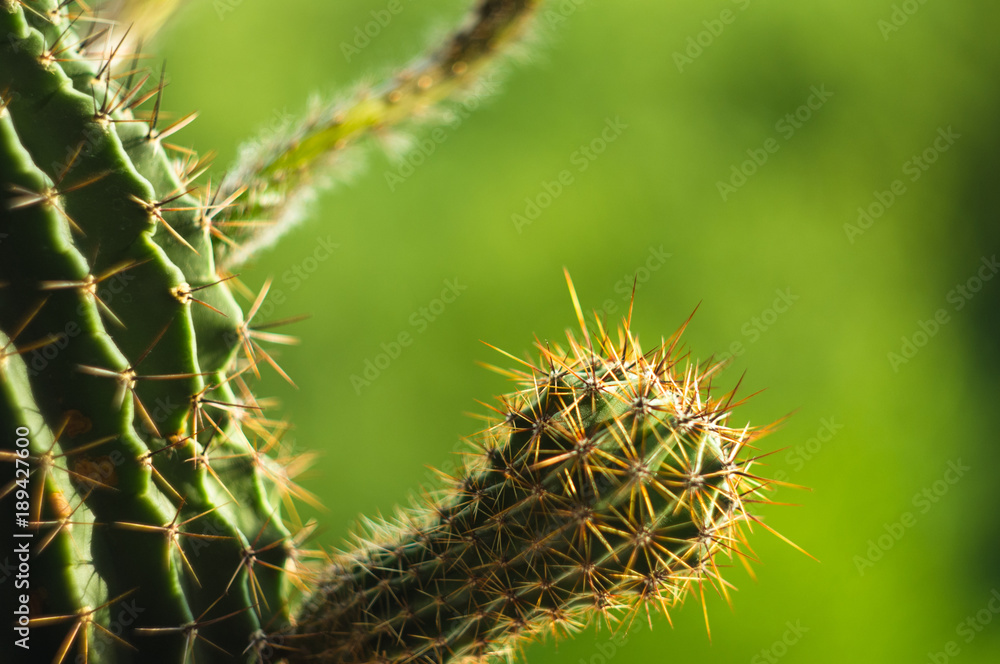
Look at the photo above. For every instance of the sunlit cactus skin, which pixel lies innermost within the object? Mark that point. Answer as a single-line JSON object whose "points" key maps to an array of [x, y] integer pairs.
{"points": [[161, 497]]}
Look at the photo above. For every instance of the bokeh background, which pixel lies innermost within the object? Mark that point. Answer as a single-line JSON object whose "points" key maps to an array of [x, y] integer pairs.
{"points": [[814, 298]]}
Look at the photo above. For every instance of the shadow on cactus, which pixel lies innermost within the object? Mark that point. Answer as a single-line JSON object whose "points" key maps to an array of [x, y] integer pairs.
{"points": [[153, 500]]}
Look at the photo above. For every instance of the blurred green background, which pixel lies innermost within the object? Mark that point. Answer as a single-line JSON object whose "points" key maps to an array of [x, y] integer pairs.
{"points": [[814, 298]]}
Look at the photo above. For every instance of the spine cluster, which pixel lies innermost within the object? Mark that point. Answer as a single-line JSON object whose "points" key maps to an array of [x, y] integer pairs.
{"points": [[608, 486]]}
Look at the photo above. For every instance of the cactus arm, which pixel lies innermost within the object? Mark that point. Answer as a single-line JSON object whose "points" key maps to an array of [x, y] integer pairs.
{"points": [[611, 484], [270, 178]]}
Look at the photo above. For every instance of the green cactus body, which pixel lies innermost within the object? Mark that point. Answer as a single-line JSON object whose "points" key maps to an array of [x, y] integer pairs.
{"points": [[150, 482]]}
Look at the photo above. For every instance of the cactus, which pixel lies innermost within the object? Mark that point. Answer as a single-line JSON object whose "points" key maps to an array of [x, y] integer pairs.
{"points": [[153, 497]]}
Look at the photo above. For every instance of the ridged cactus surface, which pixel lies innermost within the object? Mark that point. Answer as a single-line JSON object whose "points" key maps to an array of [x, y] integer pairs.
{"points": [[154, 494], [150, 498]]}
